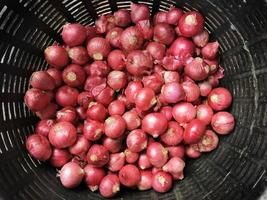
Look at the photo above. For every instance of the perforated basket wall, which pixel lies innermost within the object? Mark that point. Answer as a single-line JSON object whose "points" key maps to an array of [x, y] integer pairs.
{"points": [[236, 170]]}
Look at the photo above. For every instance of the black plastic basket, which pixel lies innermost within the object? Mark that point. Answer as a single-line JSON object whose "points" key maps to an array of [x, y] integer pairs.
{"points": [[236, 170]]}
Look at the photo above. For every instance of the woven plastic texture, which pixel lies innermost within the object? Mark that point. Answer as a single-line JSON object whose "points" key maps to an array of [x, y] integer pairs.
{"points": [[236, 170]]}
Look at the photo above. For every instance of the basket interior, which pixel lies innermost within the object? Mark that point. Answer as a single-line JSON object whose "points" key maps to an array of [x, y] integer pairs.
{"points": [[236, 170]]}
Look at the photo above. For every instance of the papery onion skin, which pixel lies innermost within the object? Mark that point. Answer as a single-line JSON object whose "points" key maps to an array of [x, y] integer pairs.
{"points": [[146, 29], [66, 96], [173, 135], [223, 123], [59, 157], [176, 151], [220, 99], [210, 50], [97, 155], [192, 91], [56, 56], [136, 140], [109, 186], [131, 39], [116, 59], [73, 34], [116, 161], [204, 113], [132, 89], [164, 33], [191, 24], [138, 62], [201, 39], [162, 182], [160, 17], [78, 55], [56, 74], [42, 80], [167, 111], [36, 99], [80, 147], [116, 108], [43, 126], [71, 175], [197, 69], [98, 48], [154, 124], [139, 12], [112, 145], [129, 175], [146, 180], [97, 68], [208, 142], [131, 157], [173, 15], [62, 135], [113, 37], [114, 126], [122, 18], [173, 92], [93, 176], [192, 152], [157, 154], [143, 162], [132, 120], [145, 99], [38, 146], [194, 131], [183, 112], [156, 50], [153, 81], [182, 48]]}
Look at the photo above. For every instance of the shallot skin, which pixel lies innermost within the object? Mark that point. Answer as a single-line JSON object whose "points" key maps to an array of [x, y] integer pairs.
{"points": [[59, 157], [98, 48], [219, 99], [36, 99], [109, 186], [122, 18], [97, 155], [43, 127], [154, 124], [191, 24], [131, 39], [71, 175], [157, 154], [146, 180], [194, 131], [129, 175], [67, 96], [164, 33], [56, 56], [139, 12], [145, 99], [223, 122], [39, 147], [62, 135], [42, 80], [182, 48], [93, 176], [172, 92], [136, 140], [73, 34], [162, 182], [183, 112]]}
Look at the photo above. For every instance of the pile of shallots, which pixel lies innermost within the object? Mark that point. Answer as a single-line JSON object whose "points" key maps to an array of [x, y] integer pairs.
{"points": [[124, 102]]}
